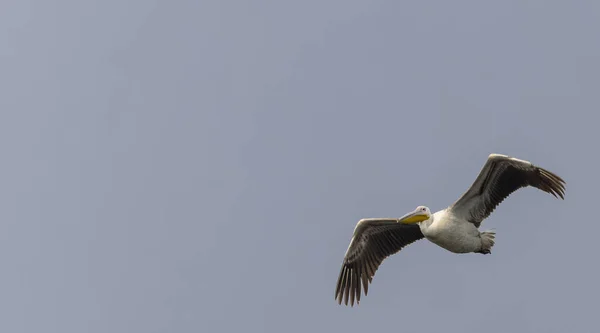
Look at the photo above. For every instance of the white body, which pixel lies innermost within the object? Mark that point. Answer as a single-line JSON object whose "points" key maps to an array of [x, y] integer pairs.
{"points": [[451, 233]]}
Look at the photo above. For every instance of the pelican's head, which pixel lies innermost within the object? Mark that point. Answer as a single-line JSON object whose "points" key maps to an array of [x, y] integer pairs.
{"points": [[420, 214]]}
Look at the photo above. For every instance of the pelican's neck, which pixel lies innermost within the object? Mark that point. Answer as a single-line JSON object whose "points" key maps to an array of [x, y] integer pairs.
{"points": [[427, 223]]}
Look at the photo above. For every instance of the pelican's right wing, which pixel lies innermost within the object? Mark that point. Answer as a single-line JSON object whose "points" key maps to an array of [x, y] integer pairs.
{"points": [[374, 240]]}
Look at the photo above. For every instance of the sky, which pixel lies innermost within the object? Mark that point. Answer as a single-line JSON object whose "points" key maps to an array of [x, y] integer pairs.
{"points": [[199, 166]]}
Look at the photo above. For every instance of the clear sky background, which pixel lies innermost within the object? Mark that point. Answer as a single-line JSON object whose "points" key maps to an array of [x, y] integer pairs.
{"points": [[199, 166]]}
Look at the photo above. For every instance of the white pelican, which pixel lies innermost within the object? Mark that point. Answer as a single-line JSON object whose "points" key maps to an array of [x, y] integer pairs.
{"points": [[454, 228]]}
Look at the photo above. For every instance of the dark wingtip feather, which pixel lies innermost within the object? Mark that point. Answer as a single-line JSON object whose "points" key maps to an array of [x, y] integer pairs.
{"points": [[346, 287], [352, 287], [552, 183]]}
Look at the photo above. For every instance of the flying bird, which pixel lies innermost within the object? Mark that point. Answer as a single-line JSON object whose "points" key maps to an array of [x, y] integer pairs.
{"points": [[455, 228]]}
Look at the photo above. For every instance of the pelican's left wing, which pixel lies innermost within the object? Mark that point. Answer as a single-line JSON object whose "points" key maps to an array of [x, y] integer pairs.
{"points": [[374, 240]]}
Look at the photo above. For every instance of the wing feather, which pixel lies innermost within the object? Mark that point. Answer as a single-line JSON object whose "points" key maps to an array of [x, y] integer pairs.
{"points": [[372, 242]]}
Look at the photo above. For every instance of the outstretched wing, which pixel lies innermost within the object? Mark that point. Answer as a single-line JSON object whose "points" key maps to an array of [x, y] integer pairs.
{"points": [[374, 240], [500, 176]]}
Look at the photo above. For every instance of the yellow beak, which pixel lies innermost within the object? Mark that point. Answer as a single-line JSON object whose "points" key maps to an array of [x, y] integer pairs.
{"points": [[414, 217]]}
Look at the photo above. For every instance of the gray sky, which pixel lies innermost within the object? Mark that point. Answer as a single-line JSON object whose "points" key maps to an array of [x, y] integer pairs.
{"points": [[199, 166]]}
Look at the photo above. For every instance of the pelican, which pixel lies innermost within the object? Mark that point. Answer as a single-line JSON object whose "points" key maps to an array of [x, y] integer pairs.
{"points": [[455, 228]]}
